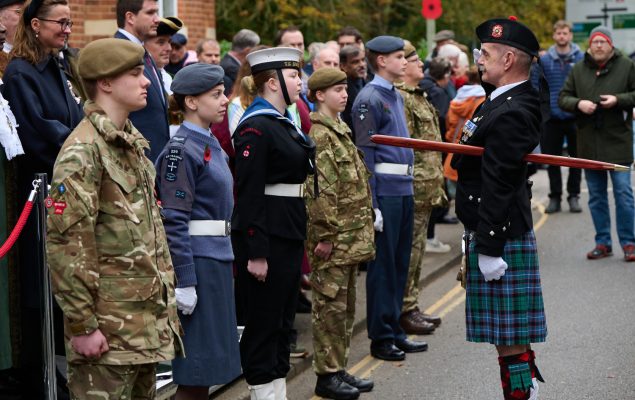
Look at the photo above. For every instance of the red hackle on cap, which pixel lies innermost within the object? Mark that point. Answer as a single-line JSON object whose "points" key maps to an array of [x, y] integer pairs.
{"points": [[513, 18]]}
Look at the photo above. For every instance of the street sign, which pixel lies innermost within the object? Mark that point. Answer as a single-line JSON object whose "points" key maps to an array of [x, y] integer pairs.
{"points": [[624, 21], [582, 30], [431, 9]]}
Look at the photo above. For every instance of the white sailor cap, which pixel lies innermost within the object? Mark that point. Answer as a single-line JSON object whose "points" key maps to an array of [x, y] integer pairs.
{"points": [[274, 58]]}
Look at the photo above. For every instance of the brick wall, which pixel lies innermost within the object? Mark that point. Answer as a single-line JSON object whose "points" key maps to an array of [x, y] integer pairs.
{"points": [[94, 19]]}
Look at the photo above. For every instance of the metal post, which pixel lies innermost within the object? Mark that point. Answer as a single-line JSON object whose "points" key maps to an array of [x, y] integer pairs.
{"points": [[48, 348], [431, 28]]}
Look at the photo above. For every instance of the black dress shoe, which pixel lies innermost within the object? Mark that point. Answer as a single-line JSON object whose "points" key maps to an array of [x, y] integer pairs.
{"points": [[411, 346], [386, 350], [331, 386], [363, 385]]}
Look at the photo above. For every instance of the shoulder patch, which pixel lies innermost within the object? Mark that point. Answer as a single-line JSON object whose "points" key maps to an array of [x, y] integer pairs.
{"points": [[173, 157], [250, 130]]}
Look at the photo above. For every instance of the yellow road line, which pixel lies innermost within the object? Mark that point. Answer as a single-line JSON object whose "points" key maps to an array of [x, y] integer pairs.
{"points": [[443, 300], [371, 369], [452, 305], [360, 364], [543, 217]]}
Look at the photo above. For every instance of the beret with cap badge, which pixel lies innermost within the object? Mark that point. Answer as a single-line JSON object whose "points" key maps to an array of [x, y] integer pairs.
{"points": [[326, 77], [103, 58], [510, 32], [385, 44], [198, 78]]}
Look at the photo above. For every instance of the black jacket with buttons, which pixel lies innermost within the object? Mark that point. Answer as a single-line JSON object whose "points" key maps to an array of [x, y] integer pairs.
{"points": [[493, 194]]}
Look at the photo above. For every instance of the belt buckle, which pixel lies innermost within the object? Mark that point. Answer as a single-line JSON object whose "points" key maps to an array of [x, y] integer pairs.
{"points": [[228, 228]]}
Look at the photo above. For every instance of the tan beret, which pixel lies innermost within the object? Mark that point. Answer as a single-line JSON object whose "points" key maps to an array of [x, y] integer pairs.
{"points": [[326, 77], [104, 58], [409, 50]]}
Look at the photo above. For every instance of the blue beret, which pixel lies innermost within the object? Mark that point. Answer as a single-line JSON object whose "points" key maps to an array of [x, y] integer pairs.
{"points": [[509, 32], [179, 38], [385, 44], [198, 78]]}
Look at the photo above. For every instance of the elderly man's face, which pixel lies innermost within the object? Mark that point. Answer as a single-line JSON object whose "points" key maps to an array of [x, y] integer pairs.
{"points": [[491, 63]]}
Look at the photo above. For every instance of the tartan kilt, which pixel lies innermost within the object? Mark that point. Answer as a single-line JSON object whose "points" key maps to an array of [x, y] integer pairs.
{"points": [[508, 311]]}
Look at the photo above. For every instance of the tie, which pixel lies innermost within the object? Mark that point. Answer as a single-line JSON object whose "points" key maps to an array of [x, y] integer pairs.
{"points": [[150, 65]]}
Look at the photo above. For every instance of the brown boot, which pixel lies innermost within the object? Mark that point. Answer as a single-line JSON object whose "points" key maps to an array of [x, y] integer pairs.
{"points": [[413, 324]]}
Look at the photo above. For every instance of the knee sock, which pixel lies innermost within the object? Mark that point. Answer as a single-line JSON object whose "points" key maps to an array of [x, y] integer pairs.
{"points": [[516, 376]]}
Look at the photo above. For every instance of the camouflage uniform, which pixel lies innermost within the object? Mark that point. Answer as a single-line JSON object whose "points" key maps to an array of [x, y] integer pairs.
{"points": [[109, 259], [342, 215], [423, 123]]}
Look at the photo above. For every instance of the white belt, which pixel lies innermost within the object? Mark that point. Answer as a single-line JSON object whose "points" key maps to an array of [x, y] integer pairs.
{"points": [[285, 189], [209, 227], [394, 169]]}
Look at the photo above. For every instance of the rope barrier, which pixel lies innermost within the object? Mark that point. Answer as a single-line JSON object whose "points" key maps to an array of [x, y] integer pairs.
{"points": [[24, 216]]}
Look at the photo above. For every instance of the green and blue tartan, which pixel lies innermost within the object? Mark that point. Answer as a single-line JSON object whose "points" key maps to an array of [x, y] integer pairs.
{"points": [[510, 310]]}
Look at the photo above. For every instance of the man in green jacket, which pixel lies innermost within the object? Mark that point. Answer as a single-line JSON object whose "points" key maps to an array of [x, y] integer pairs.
{"points": [[601, 91]]}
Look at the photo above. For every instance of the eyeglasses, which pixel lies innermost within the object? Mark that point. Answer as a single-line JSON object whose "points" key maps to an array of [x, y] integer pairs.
{"points": [[599, 43], [64, 23]]}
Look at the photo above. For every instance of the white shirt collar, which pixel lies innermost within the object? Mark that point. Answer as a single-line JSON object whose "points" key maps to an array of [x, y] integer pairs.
{"points": [[498, 91], [130, 36]]}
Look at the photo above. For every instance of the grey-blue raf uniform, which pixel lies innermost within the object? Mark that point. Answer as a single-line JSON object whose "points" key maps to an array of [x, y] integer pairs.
{"points": [[194, 183]]}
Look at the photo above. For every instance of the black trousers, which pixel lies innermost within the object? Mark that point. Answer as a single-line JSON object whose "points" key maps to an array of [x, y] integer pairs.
{"points": [[552, 142], [268, 309]]}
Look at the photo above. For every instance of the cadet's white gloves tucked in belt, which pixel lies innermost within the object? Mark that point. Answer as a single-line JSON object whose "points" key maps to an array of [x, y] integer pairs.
{"points": [[492, 268], [186, 299], [379, 220]]}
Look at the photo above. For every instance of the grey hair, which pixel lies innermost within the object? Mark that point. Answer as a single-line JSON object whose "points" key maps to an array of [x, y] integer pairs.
{"points": [[245, 38], [348, 52]]}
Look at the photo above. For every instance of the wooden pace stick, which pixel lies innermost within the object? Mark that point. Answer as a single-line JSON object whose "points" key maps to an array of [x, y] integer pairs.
{"points": [[418, 144]]}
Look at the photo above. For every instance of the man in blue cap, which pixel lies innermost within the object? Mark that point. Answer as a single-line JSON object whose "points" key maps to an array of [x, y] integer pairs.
{"points": [[379, 109], [504, 303]]}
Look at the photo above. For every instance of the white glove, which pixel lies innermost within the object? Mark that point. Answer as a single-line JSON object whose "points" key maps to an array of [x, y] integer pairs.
{"points": [[186, 299], [379, 220], [492, 268]]}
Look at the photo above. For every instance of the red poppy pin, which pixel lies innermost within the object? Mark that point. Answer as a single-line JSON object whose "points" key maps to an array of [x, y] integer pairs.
{"points": [[497, 31], [207, 156], [48, 202]]}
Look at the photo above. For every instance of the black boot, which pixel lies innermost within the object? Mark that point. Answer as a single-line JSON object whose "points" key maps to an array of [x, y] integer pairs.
{"points": [[363, 385], [331, 386], [554, 206], [574, 204]]}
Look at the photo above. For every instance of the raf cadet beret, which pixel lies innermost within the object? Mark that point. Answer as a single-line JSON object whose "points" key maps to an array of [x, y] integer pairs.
{"points": [[408, 49], [385, 44], [509, 32], [169, 26], [274, 58], [104, 58], [326, 77], [197, 78]]}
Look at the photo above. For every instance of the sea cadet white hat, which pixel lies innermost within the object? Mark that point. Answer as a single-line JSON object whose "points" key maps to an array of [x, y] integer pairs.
{"points": [[274, 58]]}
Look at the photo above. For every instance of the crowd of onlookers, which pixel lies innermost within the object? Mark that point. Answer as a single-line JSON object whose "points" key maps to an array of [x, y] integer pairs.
{"points": [[43, 99]]}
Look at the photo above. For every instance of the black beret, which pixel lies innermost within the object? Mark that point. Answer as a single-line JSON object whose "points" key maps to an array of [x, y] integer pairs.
{"points": [[509, 32], [103, 58], [169, 26], [4, 3], [326, 77], [385, 44], [198, 78]]}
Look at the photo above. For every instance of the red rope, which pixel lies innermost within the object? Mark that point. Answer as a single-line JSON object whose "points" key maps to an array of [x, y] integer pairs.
{"points": [[17, 229]]}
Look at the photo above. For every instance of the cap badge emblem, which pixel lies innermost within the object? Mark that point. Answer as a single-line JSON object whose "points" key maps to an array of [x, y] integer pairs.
{"points": [[497, 31]]}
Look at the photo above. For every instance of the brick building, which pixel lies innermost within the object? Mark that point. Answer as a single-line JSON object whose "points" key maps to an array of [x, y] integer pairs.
{"points": [[96, 19]]}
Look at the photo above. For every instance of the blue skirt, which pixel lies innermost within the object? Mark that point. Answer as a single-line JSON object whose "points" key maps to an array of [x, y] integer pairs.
{"points": [[211, 337], [510, 310]]}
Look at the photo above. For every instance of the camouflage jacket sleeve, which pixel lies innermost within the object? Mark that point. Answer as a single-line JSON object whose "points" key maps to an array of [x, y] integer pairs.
{"points": [[323, 210], [71, 248]]}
